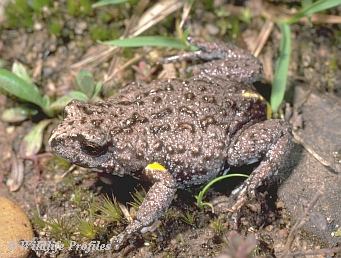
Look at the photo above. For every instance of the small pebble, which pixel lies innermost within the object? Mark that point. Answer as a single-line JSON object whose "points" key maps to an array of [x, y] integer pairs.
{"points": [[38, 26], [10, 129], [80, 27], [212, 29], [283, 233]]}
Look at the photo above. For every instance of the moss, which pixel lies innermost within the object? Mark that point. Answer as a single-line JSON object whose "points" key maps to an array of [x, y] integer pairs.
{"points": [[22, 13], [56, 27], [79, 7], [99, 32]]}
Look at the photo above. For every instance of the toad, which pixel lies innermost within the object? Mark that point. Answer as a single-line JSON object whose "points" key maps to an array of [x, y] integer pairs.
{"points": [[179, 133]]}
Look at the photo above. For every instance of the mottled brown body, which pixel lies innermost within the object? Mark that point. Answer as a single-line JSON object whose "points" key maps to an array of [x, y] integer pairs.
{"points": [[195, 128], [185, 125]]}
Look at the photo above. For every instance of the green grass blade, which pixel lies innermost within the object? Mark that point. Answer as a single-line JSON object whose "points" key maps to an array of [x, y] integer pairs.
{"points": [[318, 6], [282, 67], [151, 41], [20, 88], [107, 2], [200, 196]]}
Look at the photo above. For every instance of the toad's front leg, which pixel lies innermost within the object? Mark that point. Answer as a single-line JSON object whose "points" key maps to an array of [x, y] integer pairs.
{"points": [[269, 142], [156, 202], [223, 61]]}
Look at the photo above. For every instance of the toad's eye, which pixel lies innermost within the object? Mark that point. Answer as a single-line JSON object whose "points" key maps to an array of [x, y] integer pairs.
{"points": [[93, 149]]}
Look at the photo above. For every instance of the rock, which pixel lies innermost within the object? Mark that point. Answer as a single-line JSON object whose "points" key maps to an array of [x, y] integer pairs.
{"points": [[14, 226], [321, 134], [314, 169]]}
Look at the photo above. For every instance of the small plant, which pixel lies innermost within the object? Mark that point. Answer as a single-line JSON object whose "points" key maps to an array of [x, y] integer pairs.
{"points": [[77, 195], [181, 239], [89, 91], [229, 23], [59, 227], [109, 210], [37, 220], [217, 225], [79, 7], [337, 233], [52, 15], [21, 13], [99, 33], [87, 228], [85, 222], [200, 196], [56, 26], [19, 84], [188, 218], [240, 247], [137, 199], [144, 71]]}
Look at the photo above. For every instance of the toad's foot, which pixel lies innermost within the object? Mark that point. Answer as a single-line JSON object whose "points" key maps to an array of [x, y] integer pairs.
{"points": [[156, 202], [242, 194]]}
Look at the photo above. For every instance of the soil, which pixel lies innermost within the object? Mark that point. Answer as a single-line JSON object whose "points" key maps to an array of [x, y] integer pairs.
{"points": [[50, 188]]}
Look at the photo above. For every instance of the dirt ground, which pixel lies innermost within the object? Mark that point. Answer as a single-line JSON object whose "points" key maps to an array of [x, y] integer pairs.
{"points": [[53, 62]]}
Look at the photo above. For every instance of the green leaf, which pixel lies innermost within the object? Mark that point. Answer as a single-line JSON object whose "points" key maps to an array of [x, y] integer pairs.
{"points": [[17, 114], [31, 143], [151, 41], [337, 233], [86, 82], [81, 74], [19, 70], [107, 2], [97, 89], [61, 102], [95, 99], [186, 34], [79, 96], [282, 68], [318, 6], [20, 88], [46, 101]]}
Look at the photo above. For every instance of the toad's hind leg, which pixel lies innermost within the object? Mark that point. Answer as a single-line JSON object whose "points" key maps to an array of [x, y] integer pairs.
{"points": [[156, 202], [269, 142]]}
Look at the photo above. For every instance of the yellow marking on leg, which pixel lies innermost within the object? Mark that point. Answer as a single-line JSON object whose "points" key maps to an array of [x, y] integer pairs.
{"points": [[253, 95], [156, 166]]}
